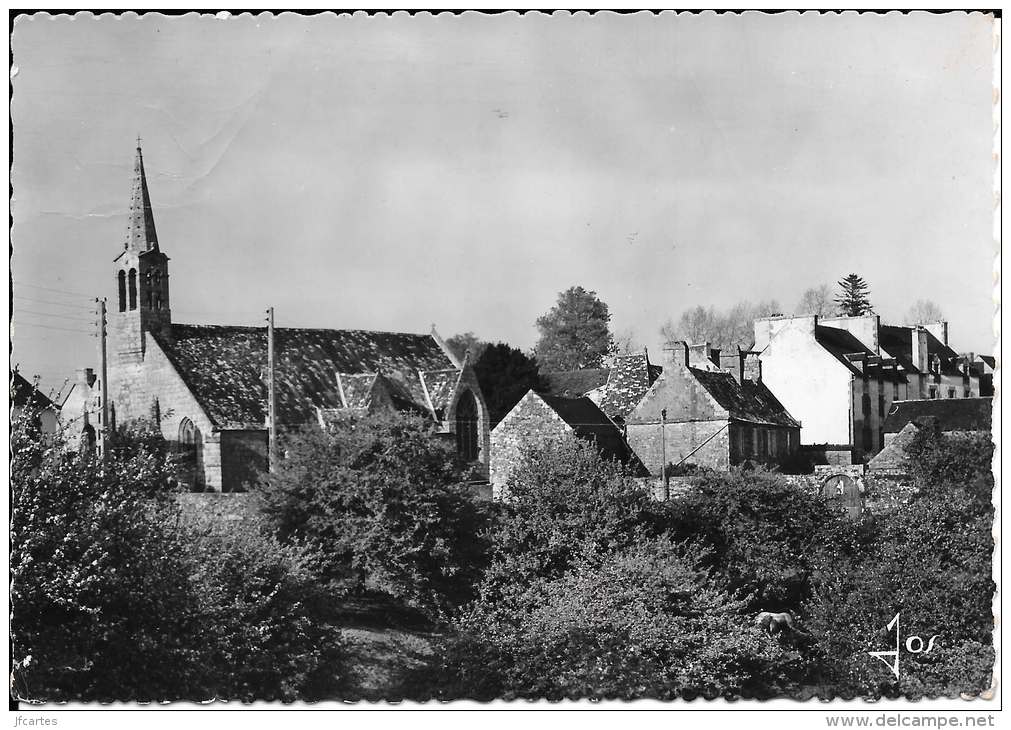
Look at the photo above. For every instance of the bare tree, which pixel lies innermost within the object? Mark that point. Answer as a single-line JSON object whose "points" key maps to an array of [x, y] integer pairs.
{"points": [[817, 300], [723, 330], [924, 312], [626, 342]]}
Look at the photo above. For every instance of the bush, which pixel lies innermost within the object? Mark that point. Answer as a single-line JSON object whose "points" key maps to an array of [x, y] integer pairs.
{"points": [[115, 597], [380, 499], [564, 501], [641, 621], [930, 561], [767, 538]]}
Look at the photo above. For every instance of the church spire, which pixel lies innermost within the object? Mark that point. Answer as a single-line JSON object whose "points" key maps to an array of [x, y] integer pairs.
{"points": [[140, 235]]}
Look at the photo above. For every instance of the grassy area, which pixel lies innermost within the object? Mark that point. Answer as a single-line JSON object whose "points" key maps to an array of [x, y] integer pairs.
{"points": [[390, 651]]}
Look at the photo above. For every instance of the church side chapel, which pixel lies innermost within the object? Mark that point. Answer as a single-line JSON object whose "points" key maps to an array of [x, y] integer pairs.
{"points": [[206, 386]]}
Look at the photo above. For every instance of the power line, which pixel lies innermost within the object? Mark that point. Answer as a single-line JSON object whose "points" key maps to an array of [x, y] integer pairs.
{"points": [[50, 327], [73, 318], [58, 291], [57, 304]]}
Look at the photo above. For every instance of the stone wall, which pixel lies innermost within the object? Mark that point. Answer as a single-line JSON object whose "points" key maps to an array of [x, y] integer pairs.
{"points": [[530, 422], [681, 440], [218, 507]]}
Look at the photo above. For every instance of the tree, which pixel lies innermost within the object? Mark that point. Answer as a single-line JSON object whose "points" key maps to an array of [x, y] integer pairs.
{"points": [[722, 330], [575, 333], [466, 342], [854, 297], [381, 500], [945, 591], [924, 312], [817, 300], [767, 536], [626, 342], [638, 621], [564, 500], [115, 594], [505, 374]]}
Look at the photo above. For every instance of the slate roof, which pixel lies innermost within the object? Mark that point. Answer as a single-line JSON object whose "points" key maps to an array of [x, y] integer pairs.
{"points": [[627, 383], [747, 401], [990, 360], [225, 368], [589, 422], [575, 383], [898, 342], [952, 414], [840, 343], [23, 392]]}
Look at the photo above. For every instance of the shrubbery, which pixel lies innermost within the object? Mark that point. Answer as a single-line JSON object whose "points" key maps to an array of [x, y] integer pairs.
{"points": [[114, 596], [381, 501]]}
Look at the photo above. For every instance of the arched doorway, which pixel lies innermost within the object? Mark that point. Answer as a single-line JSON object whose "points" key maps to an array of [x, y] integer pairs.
{"points": [[467, 427], [843, 494], [191, 451]]}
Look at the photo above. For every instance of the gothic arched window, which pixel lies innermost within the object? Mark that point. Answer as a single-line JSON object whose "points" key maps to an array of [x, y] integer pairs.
{"points": [[191, 451], [467, 445], [122, 290], [133, 289]]}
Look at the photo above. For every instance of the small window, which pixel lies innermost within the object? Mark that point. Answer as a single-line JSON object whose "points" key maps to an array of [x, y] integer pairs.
{"points": [[122, 290], [933, 391], [951, 392], [133, 289]]}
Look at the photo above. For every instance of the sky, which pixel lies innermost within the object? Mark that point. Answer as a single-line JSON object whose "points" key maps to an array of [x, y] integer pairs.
{"points": [[391, 173]]}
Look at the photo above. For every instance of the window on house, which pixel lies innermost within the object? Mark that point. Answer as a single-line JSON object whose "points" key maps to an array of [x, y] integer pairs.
{"points": [[865, 402], [967, 393], [932, 391], [951, 392], [895, 390], [133, 289], [122, 290]]}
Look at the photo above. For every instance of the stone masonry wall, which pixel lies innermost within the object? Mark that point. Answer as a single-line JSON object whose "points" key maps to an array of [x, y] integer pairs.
{"points": [[530, 422], [681, 439]]}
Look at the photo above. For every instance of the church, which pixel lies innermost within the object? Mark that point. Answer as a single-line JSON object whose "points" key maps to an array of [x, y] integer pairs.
{"points": [[205, 386]]}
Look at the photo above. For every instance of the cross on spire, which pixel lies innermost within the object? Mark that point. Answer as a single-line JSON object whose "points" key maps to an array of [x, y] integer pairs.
{"points": [[138, 141]]}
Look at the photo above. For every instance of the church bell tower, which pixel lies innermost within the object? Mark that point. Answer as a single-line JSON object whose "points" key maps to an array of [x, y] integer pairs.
{"points": [[141, 301]]}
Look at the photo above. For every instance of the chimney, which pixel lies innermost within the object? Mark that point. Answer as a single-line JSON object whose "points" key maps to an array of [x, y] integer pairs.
{"points": [[751, 366], [698, 355], [676, 353], [919, 349]]}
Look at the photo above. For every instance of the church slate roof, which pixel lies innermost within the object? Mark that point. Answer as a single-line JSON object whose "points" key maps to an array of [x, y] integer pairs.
{"points": [[225, 369], [745, 401]]}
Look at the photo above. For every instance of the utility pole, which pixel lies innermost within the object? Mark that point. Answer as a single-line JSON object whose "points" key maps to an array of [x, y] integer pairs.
{"points": [[271, 395], [663, 454], [103, 426]]}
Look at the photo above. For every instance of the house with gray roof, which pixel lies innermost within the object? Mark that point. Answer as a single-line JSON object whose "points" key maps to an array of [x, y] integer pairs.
{"points": [[699, 412], [205, 386], [539, 419]]}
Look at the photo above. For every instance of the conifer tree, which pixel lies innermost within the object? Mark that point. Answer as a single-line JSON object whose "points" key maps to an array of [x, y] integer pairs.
{"points": [[854, 297]]}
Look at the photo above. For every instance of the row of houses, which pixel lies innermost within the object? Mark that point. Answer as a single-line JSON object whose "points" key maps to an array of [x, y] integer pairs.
{"points": [[821, 384]]}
